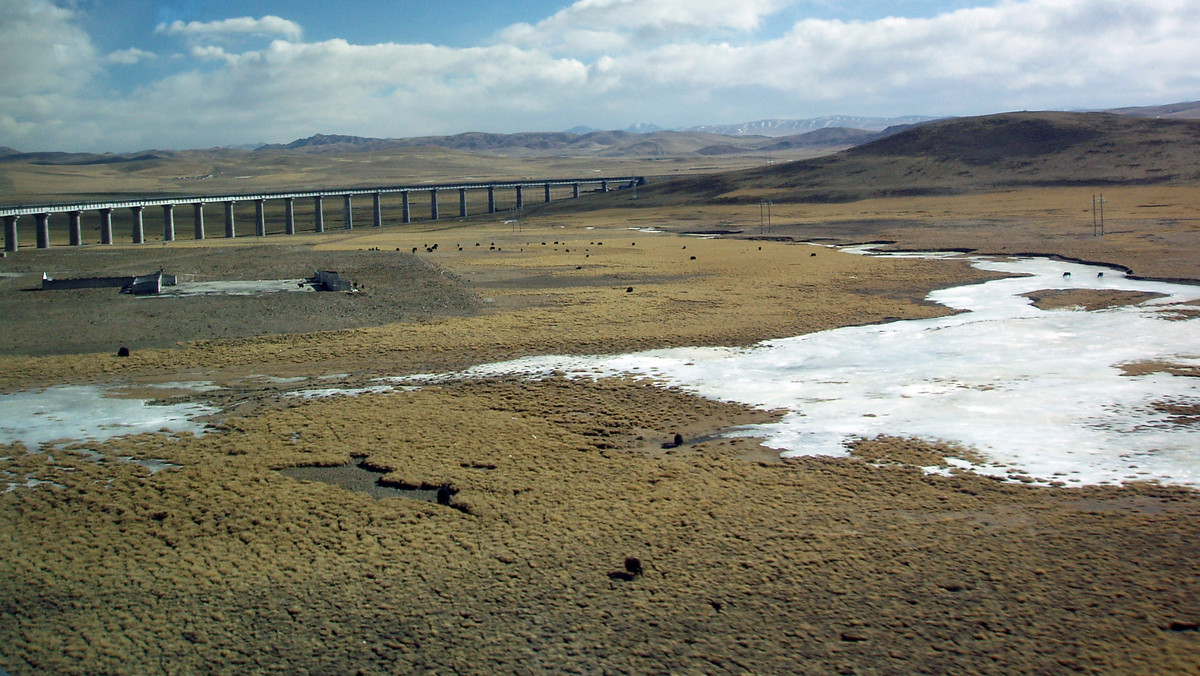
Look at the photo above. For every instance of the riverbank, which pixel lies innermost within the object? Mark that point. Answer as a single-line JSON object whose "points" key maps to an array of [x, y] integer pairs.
{"points": [[863, 564]]}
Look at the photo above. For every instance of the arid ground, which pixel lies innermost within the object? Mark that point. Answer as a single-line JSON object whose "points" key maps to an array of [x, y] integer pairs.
{"points": [[861, 565]]}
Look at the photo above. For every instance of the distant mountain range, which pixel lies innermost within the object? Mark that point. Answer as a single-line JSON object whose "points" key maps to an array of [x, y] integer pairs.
{"points": [[777, 127], [640, 140], [793, 127], [590, 143]]}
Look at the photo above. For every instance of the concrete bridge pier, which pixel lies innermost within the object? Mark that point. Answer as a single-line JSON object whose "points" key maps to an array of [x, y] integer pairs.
{"points": [[74, 232], [547, 193], [433, 204], [520, 198], [462, 202], [260, 219], [198, 220], [289, 215], [575, 190], [230, 228], [407, 214], [139, 232], [348, 213], [10, 233], [378, 210], [318, 215], [43, 230], [106, 226], [168, 222], [491, 199]]}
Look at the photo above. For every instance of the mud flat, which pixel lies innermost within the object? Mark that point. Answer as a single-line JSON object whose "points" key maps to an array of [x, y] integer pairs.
{"points": [[861, 564]]}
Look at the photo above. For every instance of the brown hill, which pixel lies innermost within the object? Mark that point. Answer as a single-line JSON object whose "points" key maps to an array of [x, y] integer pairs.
{"points": [[973, 154], [1187, 110]]}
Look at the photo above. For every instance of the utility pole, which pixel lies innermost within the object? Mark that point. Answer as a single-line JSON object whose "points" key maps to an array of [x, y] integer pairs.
{"points": [[764, 217], [1097, 215]]}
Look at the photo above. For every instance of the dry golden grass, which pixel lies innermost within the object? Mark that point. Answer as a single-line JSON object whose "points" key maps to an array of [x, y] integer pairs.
{"points": [[809, 566], [1152, 230]]}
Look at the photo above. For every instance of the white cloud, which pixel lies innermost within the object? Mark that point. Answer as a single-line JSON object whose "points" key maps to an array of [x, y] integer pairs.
{"points": [[128, 57], [267, 25], [1043, 53], [42, 51], [597, 62], [210, 52], [596, 25]]}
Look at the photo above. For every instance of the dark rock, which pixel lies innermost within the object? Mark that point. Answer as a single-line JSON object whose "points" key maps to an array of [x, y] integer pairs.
{"points": [[1177, 625], [633, 566]]}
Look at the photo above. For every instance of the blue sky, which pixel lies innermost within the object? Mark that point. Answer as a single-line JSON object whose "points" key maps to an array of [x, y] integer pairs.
{"points": [[121, 75]]}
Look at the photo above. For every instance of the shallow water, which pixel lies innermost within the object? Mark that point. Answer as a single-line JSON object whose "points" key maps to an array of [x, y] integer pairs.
{"points": [[1036, 392], [356, 476]]}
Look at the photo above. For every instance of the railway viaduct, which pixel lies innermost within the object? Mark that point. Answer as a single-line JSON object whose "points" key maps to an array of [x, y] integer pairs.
{"points": [[104, 210]]}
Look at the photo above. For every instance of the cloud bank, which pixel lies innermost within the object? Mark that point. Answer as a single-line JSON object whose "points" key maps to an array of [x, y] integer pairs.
{"points": [[267, 25], [604, 63]]}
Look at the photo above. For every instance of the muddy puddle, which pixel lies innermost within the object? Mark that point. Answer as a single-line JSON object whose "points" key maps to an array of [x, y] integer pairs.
{"points": [[357, 476]]}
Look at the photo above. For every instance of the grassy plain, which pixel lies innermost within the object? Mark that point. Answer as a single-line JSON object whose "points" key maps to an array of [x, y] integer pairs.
{"points": [[854, 565]]}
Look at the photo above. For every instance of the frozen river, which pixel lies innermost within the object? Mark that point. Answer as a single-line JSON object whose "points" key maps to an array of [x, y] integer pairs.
{"points": [[1036, 392]]}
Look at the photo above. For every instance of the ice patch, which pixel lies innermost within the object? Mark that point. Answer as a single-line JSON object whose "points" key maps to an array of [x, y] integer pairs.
{"points": [[234, 288], [83, 412], [325, 393], [1037, 392]]}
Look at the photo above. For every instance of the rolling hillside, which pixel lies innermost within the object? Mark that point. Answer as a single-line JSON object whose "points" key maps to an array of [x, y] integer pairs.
{"points": [[974, 154]]}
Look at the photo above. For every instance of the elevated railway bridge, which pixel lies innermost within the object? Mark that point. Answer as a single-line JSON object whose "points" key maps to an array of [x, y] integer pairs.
{"points": [[42, 213]]}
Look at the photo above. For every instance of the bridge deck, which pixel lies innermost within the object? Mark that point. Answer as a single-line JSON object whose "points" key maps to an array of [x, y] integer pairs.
{"points": [[67, 207]]}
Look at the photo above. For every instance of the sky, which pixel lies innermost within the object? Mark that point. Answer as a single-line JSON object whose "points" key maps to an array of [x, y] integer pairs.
{"points": [[126, 75]]}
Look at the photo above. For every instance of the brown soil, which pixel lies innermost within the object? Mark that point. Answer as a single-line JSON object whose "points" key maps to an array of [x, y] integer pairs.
{"points": [[862, 564], [397, 287]]}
